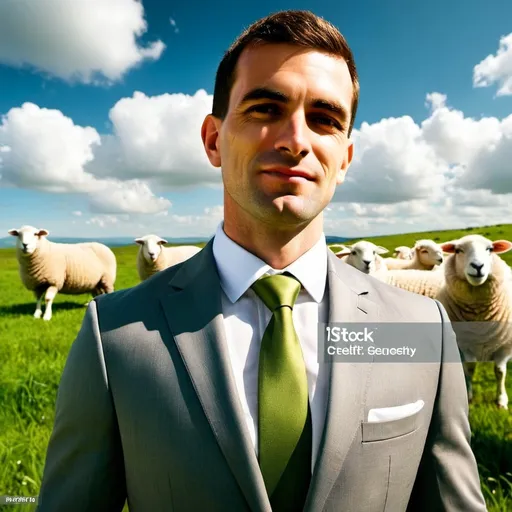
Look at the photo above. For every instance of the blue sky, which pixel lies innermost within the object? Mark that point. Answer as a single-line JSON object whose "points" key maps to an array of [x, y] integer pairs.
{"points": [[107, 153]]}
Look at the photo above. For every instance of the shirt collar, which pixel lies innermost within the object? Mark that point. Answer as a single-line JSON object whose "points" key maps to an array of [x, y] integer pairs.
{"points": [[238, 268]]}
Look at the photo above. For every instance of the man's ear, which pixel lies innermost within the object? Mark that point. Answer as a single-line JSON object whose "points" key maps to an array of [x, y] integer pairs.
{"points": [[340, 178], [210, 135]]}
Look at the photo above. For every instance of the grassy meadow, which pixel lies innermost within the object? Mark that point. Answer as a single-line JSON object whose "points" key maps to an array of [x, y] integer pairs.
{"points": [[33, 353]]}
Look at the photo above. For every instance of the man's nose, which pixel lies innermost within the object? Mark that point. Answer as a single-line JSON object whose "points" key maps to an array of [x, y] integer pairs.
{"points": [[293, 136]]}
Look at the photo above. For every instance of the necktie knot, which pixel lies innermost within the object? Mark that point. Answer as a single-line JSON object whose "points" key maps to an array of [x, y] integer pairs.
{"points": [[277, 290]]}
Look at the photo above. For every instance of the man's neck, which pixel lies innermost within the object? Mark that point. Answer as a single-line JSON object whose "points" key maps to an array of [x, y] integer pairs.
{"points": [[277, 248]]}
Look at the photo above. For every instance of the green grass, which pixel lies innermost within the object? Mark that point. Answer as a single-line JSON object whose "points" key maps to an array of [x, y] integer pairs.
{"points": [[33, 353]]}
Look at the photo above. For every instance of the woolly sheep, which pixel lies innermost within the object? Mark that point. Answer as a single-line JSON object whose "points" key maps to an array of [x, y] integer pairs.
{"points": [[402, 252], [422, 282], [154, 257], [47, 268], [365, 256], [426, 255], [477, 296]]}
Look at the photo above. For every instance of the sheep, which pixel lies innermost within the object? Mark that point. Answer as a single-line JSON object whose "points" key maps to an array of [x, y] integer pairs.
{"points": [[477, 296], [402, 252], [47, 268], [365, 256], [153, 257], [422, 282], [426, 255]]}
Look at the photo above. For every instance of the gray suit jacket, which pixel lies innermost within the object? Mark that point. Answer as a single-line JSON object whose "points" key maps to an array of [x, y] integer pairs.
{"points": [[147, 409]]}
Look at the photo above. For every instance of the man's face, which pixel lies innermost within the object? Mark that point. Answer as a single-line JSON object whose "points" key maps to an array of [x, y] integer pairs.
{"points": [[283, 145]]}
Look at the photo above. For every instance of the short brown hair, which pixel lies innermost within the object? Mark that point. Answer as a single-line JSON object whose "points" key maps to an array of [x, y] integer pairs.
{"points": [[301, 28]]}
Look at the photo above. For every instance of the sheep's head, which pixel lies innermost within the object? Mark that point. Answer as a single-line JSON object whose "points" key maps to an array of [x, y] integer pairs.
{"points": [[428, 252], [28, 238], [475, 258], [403, 252], [151, 246], [362, 255]]}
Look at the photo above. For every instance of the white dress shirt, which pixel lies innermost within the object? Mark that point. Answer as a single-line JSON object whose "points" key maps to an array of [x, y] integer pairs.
{"points": [[246, 317]]}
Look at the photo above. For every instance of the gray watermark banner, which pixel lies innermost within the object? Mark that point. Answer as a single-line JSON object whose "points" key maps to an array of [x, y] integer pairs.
{"points": [[404, 342]]}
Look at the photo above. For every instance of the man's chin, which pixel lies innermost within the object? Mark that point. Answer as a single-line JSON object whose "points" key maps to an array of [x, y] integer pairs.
{"points": [[289, 209]]}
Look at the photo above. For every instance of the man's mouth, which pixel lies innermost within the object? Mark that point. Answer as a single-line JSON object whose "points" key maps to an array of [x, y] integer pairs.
{"points": [[286, 173]]}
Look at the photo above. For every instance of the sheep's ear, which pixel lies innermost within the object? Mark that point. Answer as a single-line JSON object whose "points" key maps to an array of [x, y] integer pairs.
{"points": [[139, 241], [343, 252], [162, 241], [501, 246], [381, 250], [448, 247], [13, 232], [42, 232]]}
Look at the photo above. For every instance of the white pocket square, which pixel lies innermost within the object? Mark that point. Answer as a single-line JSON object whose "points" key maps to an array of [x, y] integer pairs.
{"points": [[394, 413]]}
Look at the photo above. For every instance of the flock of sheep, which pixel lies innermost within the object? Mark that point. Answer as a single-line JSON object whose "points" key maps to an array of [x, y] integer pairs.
{"points": [[469, 279], [466, 275], [47, 268]]}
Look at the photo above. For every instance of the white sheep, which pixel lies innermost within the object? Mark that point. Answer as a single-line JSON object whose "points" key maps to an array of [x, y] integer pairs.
{"points": [[422, 282], [47, 268], [365, 256], [153, 257], [477, 296], [426, 255], [402, 252]]}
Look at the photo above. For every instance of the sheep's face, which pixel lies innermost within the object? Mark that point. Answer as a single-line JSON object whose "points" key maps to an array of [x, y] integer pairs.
{"points": [[28, 238], [429, 253], [474, 256], [362, 255], [151, 246]]}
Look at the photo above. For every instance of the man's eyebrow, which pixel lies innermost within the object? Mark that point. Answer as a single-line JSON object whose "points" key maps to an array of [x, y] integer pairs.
{"points": [[332, 106], [266, 93]]}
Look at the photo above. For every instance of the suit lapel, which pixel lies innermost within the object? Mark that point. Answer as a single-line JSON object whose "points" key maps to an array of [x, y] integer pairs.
{"points": [[193, 309], [348, 303]]}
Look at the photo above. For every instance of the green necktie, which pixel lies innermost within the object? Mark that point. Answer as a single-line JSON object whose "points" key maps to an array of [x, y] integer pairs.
{"points": [[284, 419]]}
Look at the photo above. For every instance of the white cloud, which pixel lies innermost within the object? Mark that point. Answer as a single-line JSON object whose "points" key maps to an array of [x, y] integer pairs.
{"points": [[158, 138], [456, 138], [496, 69], [48, 152], [132, 196], [202, 224], [392, 162], [87, 41], [173, 24], [491, 168]]}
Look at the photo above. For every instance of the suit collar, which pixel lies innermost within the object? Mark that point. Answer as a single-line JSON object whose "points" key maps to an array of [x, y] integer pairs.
{"points": [[193, 308], [350, 302]]}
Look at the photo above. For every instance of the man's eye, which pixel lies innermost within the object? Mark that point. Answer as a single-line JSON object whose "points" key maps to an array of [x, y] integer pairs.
{"points": [[264, 109], [329, 121]]}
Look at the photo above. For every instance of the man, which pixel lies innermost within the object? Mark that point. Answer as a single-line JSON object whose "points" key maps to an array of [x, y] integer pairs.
{"points": [[202, 389]]}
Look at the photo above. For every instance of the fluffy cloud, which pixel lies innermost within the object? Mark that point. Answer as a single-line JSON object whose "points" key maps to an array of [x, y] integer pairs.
{"points": [[44, 150], [158, 138], [397, 160], [496, 69], [86, 41], [392, 162], [491, 167]]}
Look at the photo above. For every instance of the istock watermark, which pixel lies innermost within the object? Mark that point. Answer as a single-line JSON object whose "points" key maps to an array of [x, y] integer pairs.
{"points": [[406, 342]]}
